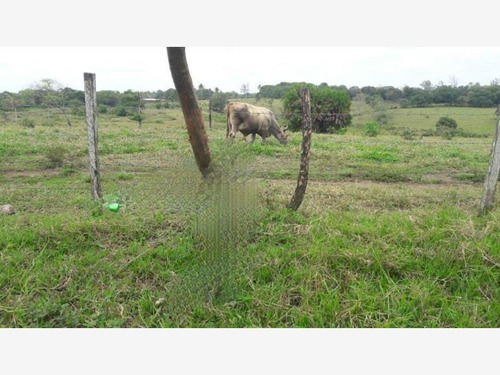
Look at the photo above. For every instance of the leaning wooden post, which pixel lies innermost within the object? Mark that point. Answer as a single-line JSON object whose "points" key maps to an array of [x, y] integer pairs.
{"points": [[490, 183], [300, 190], [190, 108], [210, 113], [91, 119], [139, 112]]}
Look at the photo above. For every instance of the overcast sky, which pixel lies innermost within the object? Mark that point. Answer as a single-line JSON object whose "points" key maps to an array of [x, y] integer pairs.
{"points": [[146, 68]]}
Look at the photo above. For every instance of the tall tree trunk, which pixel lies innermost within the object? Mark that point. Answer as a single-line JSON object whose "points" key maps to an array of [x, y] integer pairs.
{"points": [[300, 190], [190, 108]]}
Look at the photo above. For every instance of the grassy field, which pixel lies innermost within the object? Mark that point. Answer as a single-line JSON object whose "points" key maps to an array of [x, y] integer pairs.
{"points": [[475, 120], [388, 234]]}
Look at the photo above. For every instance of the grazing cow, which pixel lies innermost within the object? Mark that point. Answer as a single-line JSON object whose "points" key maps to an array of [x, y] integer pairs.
{"points": [[249, 119]]}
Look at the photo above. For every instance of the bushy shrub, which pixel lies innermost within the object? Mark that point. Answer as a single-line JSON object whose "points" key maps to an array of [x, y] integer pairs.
{"points": [[446, 127], [329, 108], [465, 134], [371, 129], [445, 123], [340, 131], [410, 134], [120, 112], [55, 157], [162, 105], [219, 101], [101, 108], [448, 133], [78, 111], [27, 123], [405, 103]]}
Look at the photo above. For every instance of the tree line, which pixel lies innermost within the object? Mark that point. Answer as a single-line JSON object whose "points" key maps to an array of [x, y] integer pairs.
{"points": [[46, 90], [427, 95]]}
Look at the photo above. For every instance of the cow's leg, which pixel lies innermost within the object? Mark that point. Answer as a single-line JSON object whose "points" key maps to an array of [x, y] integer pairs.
{"points": [[253, 138], [232, 127]]}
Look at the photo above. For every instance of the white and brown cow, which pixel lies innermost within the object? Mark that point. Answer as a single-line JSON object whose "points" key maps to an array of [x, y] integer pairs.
{"points": [[250, 119]]}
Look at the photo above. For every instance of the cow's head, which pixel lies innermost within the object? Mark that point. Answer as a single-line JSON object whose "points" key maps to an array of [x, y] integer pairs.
{"points": [[283, 137]]}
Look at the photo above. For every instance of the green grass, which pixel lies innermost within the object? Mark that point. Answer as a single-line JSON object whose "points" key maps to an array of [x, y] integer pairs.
{"points": [[473, 120], [387, 236]]}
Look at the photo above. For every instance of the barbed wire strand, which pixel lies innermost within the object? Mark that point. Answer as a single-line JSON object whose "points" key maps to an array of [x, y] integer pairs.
{"points": [[429, 113], [102, 140]]}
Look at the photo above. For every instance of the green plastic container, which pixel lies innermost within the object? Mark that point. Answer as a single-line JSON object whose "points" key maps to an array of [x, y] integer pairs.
{"points": [[114, 207]]}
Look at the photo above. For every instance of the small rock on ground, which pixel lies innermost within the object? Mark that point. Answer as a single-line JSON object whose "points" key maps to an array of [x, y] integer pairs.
{"points": [[7, 209]]}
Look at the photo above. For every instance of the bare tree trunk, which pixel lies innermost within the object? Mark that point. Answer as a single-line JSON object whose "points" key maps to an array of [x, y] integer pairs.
{"points": [[91, 119], [62, 110], [190, 108], [67, 118], [300, 190], [491, 180]]}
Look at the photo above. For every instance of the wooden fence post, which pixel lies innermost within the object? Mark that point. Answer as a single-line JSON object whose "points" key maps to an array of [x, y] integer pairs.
{"points": [[139, 112], [300, 190], [210, 113], [91, 119], [490, 183]]}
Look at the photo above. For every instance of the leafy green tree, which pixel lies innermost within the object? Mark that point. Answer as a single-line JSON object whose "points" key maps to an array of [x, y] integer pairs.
{"points": [[53, 94], [171, 95], [219, 101], [139, 117], [445, 95], [274, 91], [369, 90], [29, 97], [354, 91], [203, 93], [427, 85], [75, 96], [421, 99], [120, 112], [329, 108], [9, 102], [131, 99], [486, 96], [108, 97], [390, 93]]}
